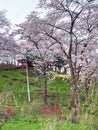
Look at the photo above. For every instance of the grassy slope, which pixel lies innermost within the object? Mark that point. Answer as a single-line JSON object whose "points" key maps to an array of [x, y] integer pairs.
{"points": [[28, 116]]}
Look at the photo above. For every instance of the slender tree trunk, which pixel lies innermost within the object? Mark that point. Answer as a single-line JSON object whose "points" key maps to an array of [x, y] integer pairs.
{"points": [[74, 97], [45, 89], [39, 81], [74, 106], [45, 83]]}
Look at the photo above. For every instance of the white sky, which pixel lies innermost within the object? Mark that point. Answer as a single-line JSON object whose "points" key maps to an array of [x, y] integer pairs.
{"points": [[17, 10]]}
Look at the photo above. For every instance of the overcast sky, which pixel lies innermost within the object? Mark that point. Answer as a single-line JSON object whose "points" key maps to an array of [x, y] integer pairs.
{"points": [[17, 10]]}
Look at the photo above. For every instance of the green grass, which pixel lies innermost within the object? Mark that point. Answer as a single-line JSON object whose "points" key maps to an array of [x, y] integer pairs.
{"points": [[28, 116], [45, 124]]}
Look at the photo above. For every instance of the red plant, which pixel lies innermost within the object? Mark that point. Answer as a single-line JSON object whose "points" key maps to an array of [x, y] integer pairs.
{"points": [[48, 111], [10, 111], [57, 109]]}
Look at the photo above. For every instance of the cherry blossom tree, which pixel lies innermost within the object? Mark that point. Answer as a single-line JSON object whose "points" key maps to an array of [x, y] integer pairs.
{"points": [[39, 45], [69, 28], [8, 45], [72, 24]]}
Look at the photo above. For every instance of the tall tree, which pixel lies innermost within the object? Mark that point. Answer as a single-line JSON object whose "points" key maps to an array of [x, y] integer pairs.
{"points": [[68, 27], [39, 45], [72, 24]]}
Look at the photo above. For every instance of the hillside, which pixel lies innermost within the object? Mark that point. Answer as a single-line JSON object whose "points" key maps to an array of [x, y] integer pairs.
{"points": [[27, 116]]}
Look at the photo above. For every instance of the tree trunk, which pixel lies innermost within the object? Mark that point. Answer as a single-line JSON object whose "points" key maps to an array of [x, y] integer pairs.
{"points": [[45, 88], [39, 81], [75, 103]]}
